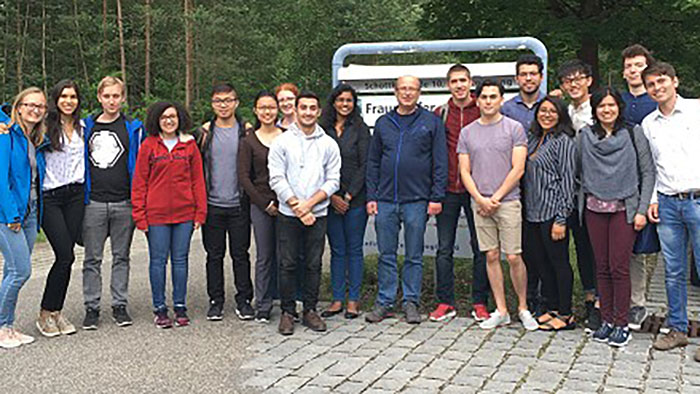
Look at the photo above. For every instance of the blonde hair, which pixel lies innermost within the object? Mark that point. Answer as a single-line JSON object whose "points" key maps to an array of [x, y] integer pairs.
{"points": [[36, 135], [109, 81]]}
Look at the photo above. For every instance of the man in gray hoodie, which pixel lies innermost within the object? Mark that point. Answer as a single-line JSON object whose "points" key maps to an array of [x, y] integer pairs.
{"points": [[304, 165]]}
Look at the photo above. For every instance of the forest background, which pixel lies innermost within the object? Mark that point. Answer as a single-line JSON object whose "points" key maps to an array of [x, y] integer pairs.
{"points": [[176, 49]]}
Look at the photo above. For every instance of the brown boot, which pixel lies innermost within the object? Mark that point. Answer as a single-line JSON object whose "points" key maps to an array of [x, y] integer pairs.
{"points": [[286, 326], [671, 340], [313, 321]]}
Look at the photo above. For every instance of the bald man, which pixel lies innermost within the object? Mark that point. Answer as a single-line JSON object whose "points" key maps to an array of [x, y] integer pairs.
{"points": [[406, 182]]}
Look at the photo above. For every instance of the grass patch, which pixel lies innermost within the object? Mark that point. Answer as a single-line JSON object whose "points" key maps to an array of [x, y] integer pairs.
{"points": [[463, 285]]}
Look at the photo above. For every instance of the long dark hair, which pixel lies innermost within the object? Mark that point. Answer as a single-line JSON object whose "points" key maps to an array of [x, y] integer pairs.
{"points": [[261, 94], [156, 110], [329, 114], [54, 129], [563, 123], [596, 98]]}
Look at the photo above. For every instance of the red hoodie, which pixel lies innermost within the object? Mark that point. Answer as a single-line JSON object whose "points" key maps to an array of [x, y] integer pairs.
{"points": [[457, 119], [168, 187]]}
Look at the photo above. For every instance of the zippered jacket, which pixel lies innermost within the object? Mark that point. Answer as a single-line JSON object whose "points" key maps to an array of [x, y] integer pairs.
{"points": [[407, 165], [168, 186], [134, 129], [455, 119], [16, 174]]}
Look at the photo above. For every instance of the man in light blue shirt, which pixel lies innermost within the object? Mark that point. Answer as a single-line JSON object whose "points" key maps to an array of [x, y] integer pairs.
{"points": [[528, 74]]}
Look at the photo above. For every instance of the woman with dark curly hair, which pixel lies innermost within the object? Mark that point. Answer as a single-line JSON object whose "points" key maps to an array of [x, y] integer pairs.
{"points": [[169, 202]]}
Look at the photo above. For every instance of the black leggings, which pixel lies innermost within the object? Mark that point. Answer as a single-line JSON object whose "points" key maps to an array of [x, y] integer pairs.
{"points": [[62, 223], [551, 259]]}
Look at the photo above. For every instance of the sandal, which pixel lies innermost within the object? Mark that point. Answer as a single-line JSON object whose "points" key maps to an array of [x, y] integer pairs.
{"points": [[546, 317], [559, 323]]}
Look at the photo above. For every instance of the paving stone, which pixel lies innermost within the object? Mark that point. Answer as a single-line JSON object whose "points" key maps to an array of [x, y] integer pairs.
{"points": [[619, 390], [409, 389], [351, 344], [579, 386], [618, 381], [422, 357], [507, 376], [290, 383], [309, 389], [327, 380], [267, 378], [373, 390], [397, 374], [489, 359], [552, 366], [438, 373], [396, 353], [427, 383], [664, 384], [315, 366], [370, 372], [350, 387], [296, 360], [500, 386], [468, 378], [586, 375], [451, 354], [455, 389], [407, 343], [347, 366], [410, 366], [389, 384]]}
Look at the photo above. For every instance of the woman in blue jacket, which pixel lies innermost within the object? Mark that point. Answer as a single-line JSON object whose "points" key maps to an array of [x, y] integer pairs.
{"points": [[21, 171]]}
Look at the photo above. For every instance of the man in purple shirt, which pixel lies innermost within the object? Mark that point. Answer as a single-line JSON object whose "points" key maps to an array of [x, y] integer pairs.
{"points": [[492, 152]]}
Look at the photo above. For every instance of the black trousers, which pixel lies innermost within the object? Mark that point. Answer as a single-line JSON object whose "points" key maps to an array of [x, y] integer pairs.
{"points": [[551, 260], [62, 223], [291, 235], [584, 252], [234, 222]]}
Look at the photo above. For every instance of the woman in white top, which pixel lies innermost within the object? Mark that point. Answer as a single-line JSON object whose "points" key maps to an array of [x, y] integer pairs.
{"points": [[64, 152]]}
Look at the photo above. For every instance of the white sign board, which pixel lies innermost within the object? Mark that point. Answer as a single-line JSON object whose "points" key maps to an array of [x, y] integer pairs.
{"points": [[375, 88]]}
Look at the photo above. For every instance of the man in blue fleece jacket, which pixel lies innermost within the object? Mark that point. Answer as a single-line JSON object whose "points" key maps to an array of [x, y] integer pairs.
{"points": [[406, 181]]}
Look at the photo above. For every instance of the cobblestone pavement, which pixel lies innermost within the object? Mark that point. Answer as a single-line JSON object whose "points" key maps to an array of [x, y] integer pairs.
{"points": [[459, 357], [352, 357]]}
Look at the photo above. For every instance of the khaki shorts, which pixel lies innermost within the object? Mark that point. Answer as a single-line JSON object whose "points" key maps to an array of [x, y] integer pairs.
{"points": [[503, 228]]}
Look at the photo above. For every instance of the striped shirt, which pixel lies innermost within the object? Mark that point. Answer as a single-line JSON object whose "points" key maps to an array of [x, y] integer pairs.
{"points": [[549, 178]]}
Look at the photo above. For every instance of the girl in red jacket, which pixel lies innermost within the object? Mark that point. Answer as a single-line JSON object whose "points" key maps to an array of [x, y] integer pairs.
{"points": [[169, 203]]}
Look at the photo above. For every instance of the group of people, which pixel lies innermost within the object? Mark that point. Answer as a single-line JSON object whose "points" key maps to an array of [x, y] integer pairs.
{"points": [[612, 167]]}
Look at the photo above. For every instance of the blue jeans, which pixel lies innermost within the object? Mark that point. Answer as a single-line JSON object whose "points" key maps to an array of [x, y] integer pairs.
{"points": [[414, 216], [16, 248], [173, 240], [678, 220], [346, 234]]}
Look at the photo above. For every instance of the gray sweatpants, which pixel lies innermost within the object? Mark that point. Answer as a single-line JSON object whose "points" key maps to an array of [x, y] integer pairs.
{"points": [[265, 256], [104, 220]]}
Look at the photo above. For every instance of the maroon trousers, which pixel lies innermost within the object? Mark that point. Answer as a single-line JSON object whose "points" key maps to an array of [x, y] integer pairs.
{"points": [[612, 239]]}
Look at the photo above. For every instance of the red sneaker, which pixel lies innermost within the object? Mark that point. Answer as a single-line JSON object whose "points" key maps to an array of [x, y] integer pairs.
{"points": [[443, 312], [480, 313]]}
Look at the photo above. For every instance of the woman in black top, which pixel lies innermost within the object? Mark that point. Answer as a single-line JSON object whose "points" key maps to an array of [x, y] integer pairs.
{"points": [[347, 218], [549, 184], [255, 180]]}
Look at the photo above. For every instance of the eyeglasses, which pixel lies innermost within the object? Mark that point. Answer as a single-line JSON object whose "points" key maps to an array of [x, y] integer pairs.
{"points": [[168, 117], [577, 79], [266, 108], [227, 101], [548, 112], [343, 100], [34, 107]]}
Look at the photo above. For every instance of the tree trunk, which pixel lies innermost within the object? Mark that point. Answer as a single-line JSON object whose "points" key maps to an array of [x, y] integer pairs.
{"points": [[590, 13], [5, 45], [188, 53], [43, 42], [147, 61], [78, 34], [122, 54], [104, 35], [21, 34]]}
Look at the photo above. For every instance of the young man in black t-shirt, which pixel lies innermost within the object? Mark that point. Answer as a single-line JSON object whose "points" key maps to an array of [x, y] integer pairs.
{"points": [[112, 142]]}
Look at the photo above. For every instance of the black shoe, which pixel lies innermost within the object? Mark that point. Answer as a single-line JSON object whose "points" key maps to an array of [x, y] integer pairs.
{"points": [[92, 317], [216, 311], [594, 321], [245, 311], [329, 313], [262, 317], [121, 316]]}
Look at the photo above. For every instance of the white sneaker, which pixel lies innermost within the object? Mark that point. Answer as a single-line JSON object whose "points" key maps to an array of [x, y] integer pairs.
{"points": [[528, 321], [495, 320], [24, 339], [7, 338]]}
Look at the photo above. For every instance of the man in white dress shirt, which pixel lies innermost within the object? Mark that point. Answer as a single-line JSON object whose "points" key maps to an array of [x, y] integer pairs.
{"points": [[673, 131]]}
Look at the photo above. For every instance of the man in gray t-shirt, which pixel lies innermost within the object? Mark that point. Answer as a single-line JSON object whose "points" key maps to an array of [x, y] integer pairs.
{"points": [[492, 152], [228, 211]]}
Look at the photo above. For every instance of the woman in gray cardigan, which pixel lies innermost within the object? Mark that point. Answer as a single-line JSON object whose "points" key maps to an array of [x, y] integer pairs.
{"points": [[617, 178]]}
